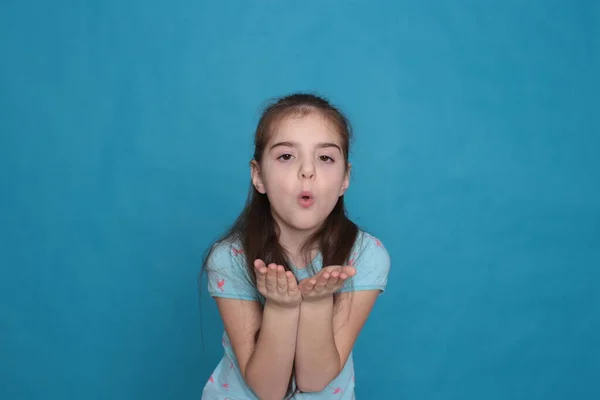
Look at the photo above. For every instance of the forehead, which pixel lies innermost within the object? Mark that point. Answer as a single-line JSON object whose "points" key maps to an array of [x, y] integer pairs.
{"points": [[306, 129]]}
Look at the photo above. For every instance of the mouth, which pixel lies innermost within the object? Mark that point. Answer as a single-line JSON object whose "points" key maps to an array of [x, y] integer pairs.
{"points": [[306, 199]]}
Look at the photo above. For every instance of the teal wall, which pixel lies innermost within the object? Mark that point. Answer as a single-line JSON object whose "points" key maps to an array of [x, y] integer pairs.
{"points": [[125, 135]]}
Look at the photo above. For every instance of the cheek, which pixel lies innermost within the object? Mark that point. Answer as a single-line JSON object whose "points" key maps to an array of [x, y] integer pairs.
{"points": [[335, 176], [277, 183], [333, 185]]}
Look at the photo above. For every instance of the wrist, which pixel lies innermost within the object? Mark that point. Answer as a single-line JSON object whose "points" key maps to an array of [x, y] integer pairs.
{"points": [[318, 303], [280, 308]]}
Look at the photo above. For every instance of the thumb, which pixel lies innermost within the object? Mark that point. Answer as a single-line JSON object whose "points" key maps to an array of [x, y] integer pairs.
{"points": [[349, 270]]}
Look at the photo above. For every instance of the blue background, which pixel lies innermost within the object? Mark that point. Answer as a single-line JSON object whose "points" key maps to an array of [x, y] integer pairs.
{"points": [[126, 130]]}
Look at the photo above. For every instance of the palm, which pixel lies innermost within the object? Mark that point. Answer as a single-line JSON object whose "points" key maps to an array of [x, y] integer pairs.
{"points": [[325, 282], [278, 286]]}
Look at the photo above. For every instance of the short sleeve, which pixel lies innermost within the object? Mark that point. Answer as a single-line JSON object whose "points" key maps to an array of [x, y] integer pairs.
{"points": [[227, 273], [372, 263]]}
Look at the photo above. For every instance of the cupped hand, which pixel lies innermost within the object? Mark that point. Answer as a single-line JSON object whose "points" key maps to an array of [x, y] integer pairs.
{"points": [[325, 282], [278, 286]]}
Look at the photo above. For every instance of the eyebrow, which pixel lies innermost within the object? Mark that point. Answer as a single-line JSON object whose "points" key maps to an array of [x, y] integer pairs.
{"points": [[294, 144]]}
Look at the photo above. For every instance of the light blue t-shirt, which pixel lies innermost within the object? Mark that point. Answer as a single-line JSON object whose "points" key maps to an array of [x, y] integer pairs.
{"points": [[228, 277]]}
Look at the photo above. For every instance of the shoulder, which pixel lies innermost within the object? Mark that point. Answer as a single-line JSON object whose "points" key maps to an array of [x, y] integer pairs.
{"points": [[372, 262], [226, 260], [228, 274], [368, 247], [225, 253]]}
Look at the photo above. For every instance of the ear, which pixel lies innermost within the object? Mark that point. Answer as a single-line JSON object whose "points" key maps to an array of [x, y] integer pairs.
{"points": [[346, 181], [256, 178]]}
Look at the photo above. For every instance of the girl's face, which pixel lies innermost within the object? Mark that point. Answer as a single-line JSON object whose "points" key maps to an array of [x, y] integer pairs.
{"points": [[302, 172]]}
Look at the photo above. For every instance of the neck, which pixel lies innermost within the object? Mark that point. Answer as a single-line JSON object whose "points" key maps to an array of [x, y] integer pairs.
{"points": [[292, 241]]}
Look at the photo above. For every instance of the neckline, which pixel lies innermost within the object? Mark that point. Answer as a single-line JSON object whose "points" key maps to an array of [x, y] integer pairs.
{"points": [[312, 262]]}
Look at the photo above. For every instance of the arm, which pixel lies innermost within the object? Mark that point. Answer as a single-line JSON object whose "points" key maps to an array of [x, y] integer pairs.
{"points": [[326, 336], [317, 357], [327, 332], [265, 364]]}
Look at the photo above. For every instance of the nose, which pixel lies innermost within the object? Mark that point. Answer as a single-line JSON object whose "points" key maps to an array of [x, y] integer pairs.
{"points": [[307, 171]]}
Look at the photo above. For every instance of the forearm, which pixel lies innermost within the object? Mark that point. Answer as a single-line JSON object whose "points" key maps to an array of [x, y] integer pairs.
{"points": [[269, 369], [317, 359]]}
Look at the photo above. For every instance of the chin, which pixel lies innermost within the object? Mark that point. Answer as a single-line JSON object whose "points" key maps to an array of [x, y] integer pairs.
{"points": [[306, 227], [304, 220], [307, 224]]}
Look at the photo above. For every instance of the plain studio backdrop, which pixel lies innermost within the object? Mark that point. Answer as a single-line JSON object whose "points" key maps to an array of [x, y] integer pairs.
{"points": [[125, 137]]}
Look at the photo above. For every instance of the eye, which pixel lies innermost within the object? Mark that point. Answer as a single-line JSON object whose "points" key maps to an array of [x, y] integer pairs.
{"points": [[285, 157], [326, 159]]}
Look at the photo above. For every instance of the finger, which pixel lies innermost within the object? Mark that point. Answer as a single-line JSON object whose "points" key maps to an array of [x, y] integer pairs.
{"points": [[302, 285], [271, 278], [331, 268], [322, 281], [308, 286], [292, 285], [349, 270], [282, 287], [333, 280], [259, 267]]}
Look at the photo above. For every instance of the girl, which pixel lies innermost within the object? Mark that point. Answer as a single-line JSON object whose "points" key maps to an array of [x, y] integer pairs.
{"points": [[294, 279]]}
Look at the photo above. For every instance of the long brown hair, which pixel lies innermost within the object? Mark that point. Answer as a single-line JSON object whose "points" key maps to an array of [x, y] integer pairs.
{"points": [[255, 227]]}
